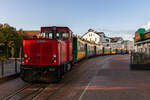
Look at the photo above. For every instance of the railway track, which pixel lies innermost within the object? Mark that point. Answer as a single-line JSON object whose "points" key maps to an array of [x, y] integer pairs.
{"points": [[53, 91], [26, 93], [37, 91], [55, 88], [13, 94]]}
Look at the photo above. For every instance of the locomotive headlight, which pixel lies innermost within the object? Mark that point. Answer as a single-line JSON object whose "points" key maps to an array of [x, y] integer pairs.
{"points": [[54, 55], [25, 56], [54, 59]]}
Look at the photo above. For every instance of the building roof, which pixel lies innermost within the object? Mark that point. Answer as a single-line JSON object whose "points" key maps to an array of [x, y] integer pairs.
{"points": [[30, 33], [90, 30], [116, 39], [98, 33]]}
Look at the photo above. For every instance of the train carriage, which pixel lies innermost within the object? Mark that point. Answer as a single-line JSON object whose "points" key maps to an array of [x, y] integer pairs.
{"points": [[90, 50], [113, 51], [106, 50], [78, 49], [99, 50], [118, 51], [81, 49]]}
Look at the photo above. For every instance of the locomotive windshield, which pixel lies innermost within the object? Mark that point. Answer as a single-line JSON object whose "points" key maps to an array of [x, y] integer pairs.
{"points": [[56, 34]]}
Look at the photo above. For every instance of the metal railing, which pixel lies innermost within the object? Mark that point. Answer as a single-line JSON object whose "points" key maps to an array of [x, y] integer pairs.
{"points": [[139, 58], [9, 67]]}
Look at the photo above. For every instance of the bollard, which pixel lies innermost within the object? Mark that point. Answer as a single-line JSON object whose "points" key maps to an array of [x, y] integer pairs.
{"points": [[2, 70], [131, 58], [15, 65]]}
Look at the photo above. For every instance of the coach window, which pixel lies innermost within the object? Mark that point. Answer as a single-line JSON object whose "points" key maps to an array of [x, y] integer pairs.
{"points": [[43, 34], [57, 35], [46, 35], [50, 35], [65, 36]]}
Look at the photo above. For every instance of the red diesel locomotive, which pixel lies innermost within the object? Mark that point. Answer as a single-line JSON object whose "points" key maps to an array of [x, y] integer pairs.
{"points": [[47, 56]]}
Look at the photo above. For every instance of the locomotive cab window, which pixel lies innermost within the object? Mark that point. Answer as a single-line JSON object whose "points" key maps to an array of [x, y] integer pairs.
{"points": [[48, 35], [58, 34], [65, 36]]}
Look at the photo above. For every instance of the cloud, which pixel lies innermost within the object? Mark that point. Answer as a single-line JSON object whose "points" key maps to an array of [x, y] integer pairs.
{"points": [[147, 27], [125, 34]]}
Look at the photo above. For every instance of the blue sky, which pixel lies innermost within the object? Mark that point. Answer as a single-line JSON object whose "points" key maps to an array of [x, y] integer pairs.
{"points": [[120, 17]]}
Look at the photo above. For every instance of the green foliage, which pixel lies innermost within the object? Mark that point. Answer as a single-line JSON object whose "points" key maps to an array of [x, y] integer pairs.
{"points": [[10, 37], [2, 38], [22, 35]]}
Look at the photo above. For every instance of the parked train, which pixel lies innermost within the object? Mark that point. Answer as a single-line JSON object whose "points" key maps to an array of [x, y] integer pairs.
{"points": [[51, 54]]}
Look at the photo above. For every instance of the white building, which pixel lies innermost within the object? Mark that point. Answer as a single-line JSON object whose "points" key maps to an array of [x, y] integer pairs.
{"points": [[117, 42], [97, 37], [91, 36], [129, 45]]}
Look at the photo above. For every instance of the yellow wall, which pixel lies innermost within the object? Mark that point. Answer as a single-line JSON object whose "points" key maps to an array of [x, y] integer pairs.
{"points": [[113, 52], [106, 52], [80, 54]]}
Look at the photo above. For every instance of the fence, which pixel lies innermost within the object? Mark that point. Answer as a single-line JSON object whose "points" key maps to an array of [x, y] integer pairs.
{"points": [[139, 58], [9, 67]]}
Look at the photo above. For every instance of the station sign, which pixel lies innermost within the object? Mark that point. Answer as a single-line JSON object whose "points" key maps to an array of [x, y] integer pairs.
{"points": [[137, 37], [140, 35], [147, 35]]}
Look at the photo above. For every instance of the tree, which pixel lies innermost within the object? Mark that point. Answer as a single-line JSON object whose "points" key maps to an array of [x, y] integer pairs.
{"points": [[22, 35], [2, 38], [10, 37]]}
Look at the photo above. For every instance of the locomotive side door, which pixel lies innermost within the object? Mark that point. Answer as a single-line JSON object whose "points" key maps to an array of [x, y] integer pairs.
{"points": [[67, 37], [70, 46]]}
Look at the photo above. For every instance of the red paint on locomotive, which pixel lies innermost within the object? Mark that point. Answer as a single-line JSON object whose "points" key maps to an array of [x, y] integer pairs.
{"points": [[48, 51], [44, 52], [48, 55]]}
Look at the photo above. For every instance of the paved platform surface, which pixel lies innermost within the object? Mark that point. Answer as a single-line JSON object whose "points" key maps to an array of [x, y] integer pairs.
{"points": [[115, 81], [107, 79], [99, 78]]}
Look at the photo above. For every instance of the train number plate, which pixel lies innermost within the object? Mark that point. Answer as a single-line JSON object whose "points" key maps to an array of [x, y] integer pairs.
{"points": [[51, 69], [40, 41]]}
